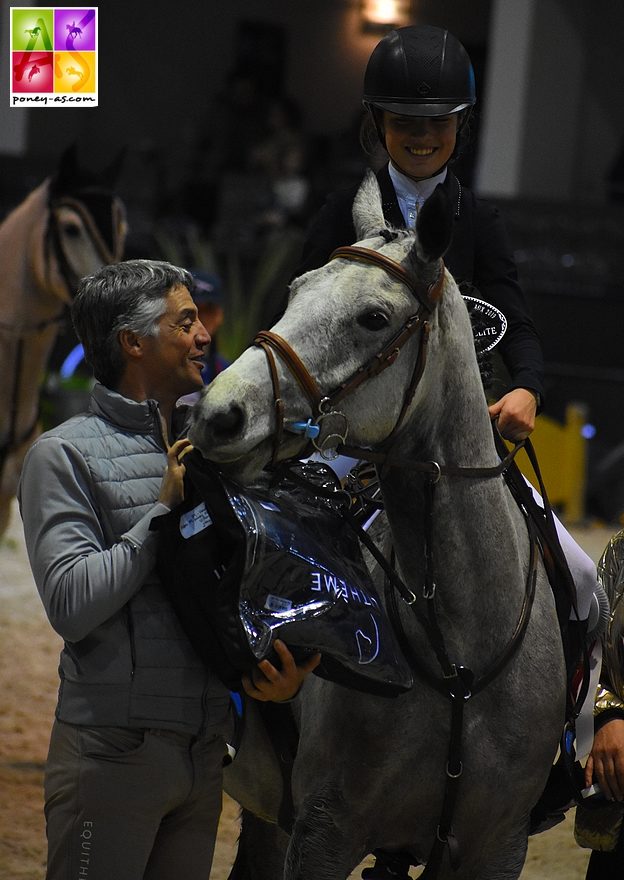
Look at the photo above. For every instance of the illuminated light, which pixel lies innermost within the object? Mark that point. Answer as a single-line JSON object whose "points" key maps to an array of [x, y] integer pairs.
{"points": [[588, 431], [383, 14], [71, 362]]}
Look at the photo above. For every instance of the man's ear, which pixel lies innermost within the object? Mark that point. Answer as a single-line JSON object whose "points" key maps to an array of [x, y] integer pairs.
{"points": [[131, 343]]}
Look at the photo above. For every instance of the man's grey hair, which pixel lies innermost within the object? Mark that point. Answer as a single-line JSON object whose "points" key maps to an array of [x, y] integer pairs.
{"points": [[123, 296]]}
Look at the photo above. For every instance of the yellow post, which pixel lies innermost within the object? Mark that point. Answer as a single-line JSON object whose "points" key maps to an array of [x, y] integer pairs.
{"points": [[574, 465], [562, 456]]}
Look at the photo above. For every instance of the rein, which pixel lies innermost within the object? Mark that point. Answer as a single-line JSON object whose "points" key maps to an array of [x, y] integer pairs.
{"points": [[431, 469], [457, 683]]}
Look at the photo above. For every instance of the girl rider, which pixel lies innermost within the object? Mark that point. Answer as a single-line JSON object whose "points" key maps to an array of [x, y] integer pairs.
{"points": [[419, 91]]}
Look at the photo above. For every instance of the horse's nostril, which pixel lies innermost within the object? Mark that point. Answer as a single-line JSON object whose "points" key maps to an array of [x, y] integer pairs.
{"points": [[228, 423]]}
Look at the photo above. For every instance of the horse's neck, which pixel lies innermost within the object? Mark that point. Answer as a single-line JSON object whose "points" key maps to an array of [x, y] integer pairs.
{"points": [[26, 298], [25, 306], [478, 546]]}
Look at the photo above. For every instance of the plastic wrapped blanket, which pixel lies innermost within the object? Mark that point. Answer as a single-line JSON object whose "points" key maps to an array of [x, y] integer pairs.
{"points": [[244, 566]]}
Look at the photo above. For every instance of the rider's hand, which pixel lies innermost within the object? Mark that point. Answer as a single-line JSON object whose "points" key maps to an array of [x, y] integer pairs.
{"points": [[516, 412], [172, 486], [605, 764], [265, 682]]}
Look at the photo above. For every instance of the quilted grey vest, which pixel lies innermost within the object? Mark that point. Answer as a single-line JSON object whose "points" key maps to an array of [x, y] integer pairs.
{"points": [[138, 668]]}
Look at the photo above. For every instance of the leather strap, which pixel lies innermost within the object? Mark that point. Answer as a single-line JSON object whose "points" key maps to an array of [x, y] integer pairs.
{"points": [[278, 402], [306, 381], [107, 256], [376, 365], [432, 469], [427, 295]]}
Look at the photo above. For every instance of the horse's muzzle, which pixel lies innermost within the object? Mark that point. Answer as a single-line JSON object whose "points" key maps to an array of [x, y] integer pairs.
{"points": [[218, 427]]}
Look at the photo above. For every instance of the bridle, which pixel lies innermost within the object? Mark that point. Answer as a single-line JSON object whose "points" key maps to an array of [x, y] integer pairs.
{"points": [[106, 254], [323, 406]]}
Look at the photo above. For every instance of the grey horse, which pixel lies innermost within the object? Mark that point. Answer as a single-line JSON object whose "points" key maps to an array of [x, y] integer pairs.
{"points": [[370, 772]]}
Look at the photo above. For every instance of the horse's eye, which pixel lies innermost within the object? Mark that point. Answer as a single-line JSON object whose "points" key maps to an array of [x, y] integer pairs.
{"points": [[72, 230], [373, 320]]}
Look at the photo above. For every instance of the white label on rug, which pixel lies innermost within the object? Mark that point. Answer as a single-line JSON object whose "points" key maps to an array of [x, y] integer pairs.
{"points": [[277, 603], [195, 521]]}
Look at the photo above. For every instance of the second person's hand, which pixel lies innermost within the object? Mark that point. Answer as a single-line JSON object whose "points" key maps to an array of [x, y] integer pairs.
{"points": [[172, 486], [265, 682]]}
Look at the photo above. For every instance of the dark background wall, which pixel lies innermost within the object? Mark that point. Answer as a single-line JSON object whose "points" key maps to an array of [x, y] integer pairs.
{"points": [[161, 66]]}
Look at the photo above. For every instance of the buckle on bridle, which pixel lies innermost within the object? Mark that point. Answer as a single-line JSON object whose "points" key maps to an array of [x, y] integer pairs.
{"points": [[328, 447], [437, 473]]}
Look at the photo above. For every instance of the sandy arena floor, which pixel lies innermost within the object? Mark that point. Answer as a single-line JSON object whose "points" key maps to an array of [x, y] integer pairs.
{"points": [[28, 683]]}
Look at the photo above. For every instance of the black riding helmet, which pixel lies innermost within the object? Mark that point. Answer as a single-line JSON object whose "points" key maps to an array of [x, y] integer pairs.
{"points": [[419, 70]]}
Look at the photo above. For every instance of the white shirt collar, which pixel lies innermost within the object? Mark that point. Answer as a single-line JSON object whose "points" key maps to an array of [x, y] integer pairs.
{"points": [[412, 193]]}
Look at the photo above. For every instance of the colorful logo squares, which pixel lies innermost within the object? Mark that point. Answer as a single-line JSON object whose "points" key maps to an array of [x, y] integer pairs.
{"points": [[53, 56]]}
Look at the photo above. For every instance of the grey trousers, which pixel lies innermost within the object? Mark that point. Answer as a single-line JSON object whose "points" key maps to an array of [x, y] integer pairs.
{"points": [[125, 804]]}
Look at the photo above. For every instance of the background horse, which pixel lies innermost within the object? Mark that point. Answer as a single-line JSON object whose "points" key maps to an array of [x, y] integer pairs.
{"points": [[372, 772], [68, 227]]}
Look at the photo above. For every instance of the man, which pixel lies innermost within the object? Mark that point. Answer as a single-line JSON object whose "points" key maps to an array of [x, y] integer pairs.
{"points": [[133, 780]]}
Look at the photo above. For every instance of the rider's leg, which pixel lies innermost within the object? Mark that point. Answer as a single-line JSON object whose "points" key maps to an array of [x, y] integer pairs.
{"points": [[582, 568], [590, 617]]}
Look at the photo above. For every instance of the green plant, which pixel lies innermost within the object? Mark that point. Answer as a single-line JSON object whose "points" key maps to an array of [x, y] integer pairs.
{"points": [[255, 292], [255, 284]]}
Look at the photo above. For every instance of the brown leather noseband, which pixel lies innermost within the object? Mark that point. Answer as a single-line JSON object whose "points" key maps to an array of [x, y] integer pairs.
{"points": [[323, 405]]}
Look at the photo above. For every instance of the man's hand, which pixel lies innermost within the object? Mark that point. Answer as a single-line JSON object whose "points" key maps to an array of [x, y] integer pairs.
{"points": [[172, 486], [265, 682], [516, 412], [605, 764]]}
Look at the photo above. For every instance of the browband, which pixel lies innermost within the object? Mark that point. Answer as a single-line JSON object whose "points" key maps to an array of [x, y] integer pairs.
{"points": [[427, 295]]}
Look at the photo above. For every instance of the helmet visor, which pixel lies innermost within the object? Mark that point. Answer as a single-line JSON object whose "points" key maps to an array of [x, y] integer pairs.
{"points": [[410, 108]]}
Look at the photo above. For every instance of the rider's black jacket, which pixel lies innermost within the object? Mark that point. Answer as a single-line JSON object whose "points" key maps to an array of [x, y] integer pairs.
{"points": [[480, 254]]}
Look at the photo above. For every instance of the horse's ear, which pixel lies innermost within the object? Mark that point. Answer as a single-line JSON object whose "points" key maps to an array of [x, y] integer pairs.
{"points": [[71, 175], [367, 211], [67, 169], [110, 174], [434, 225]]}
